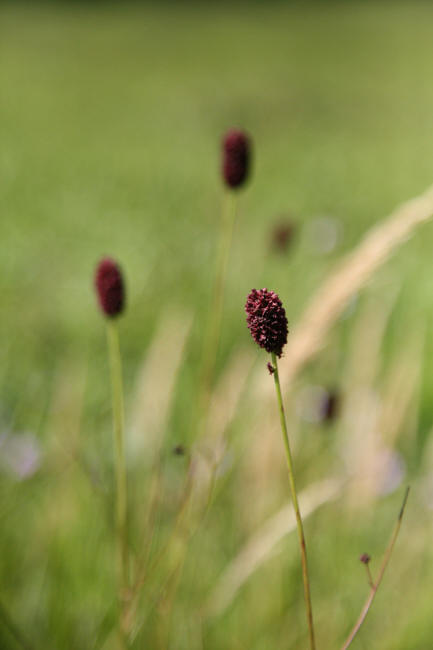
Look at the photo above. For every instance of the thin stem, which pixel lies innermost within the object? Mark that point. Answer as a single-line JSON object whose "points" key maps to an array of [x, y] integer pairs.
{"points": [[120, 475], [369, 576], [163, 552], [215, 313], [299, 524], [375, 585]]}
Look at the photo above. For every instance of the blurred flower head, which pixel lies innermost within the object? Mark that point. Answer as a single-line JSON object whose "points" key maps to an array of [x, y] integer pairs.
{"points": [[282, 235], [266, 320], [391, 468], [109, 287], [317, 404], [20, 455], [236, 158], [323, 234], [330, 406]]}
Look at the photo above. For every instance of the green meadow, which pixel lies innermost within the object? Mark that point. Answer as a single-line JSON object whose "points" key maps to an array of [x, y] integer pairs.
{"points": [[111, 118]]}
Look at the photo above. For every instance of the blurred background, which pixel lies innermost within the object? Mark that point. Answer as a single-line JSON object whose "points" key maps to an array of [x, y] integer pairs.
{"points": [[111, 117]]}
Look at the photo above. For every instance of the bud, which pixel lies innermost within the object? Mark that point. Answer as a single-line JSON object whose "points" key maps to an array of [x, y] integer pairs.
{"points": [[365, 558], [109, 287], [270, 368], [236, 158], [266, 320]]}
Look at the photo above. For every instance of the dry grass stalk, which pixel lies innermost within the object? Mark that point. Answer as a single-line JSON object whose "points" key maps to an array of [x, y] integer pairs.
{"points": [[360, 441], [363, 363], [376, 411], [209, 453], [402, 387], [327, 304], [226, 397], [155, 386], [262, 544], [259, 467]]}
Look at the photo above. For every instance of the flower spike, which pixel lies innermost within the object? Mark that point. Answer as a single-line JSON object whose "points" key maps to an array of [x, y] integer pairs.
{"points": [[110, 287], [266, 319], [236, 158]]}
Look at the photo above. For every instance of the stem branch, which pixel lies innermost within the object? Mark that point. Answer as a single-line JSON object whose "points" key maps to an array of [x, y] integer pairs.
{"points": [[375, 585]]}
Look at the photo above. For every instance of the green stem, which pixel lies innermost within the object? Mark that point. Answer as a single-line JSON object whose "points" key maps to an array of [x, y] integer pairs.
{"points": [[120, 475], [300, 527], [369, 576], [216, 311], [375, 585]]}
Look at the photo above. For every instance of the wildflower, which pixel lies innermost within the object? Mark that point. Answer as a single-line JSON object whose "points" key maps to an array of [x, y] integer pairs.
{"points": [[236, 158], [365, 558], [282, 236], [266, 320], [109, 287], [318, 404], [330, 406]]}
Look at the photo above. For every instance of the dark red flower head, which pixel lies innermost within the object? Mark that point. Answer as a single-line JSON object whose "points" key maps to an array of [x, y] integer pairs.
{"points": [[282, 236], [329, 406], [267, 320], [236, 158], [365, 558], [109, 287]]}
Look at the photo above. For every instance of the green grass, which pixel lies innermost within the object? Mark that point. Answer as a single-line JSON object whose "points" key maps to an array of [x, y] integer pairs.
{"points": [[110, 122]]}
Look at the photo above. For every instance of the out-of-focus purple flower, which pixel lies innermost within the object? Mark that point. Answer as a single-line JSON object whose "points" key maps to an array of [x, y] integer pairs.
{"points": [[109, 287], [282, 236], [317, 404], [365, 558], [391, 467], [20, 455], [266, 319], [330, 406], [323, 234], [236, 158]]}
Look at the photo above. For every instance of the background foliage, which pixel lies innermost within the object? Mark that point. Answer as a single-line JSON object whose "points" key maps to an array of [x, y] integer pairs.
{"points": [[110, 122]]}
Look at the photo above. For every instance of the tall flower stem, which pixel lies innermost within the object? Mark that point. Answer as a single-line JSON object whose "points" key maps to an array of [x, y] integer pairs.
{"points": [[214, 328], [299, 524], [120, 476]]}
